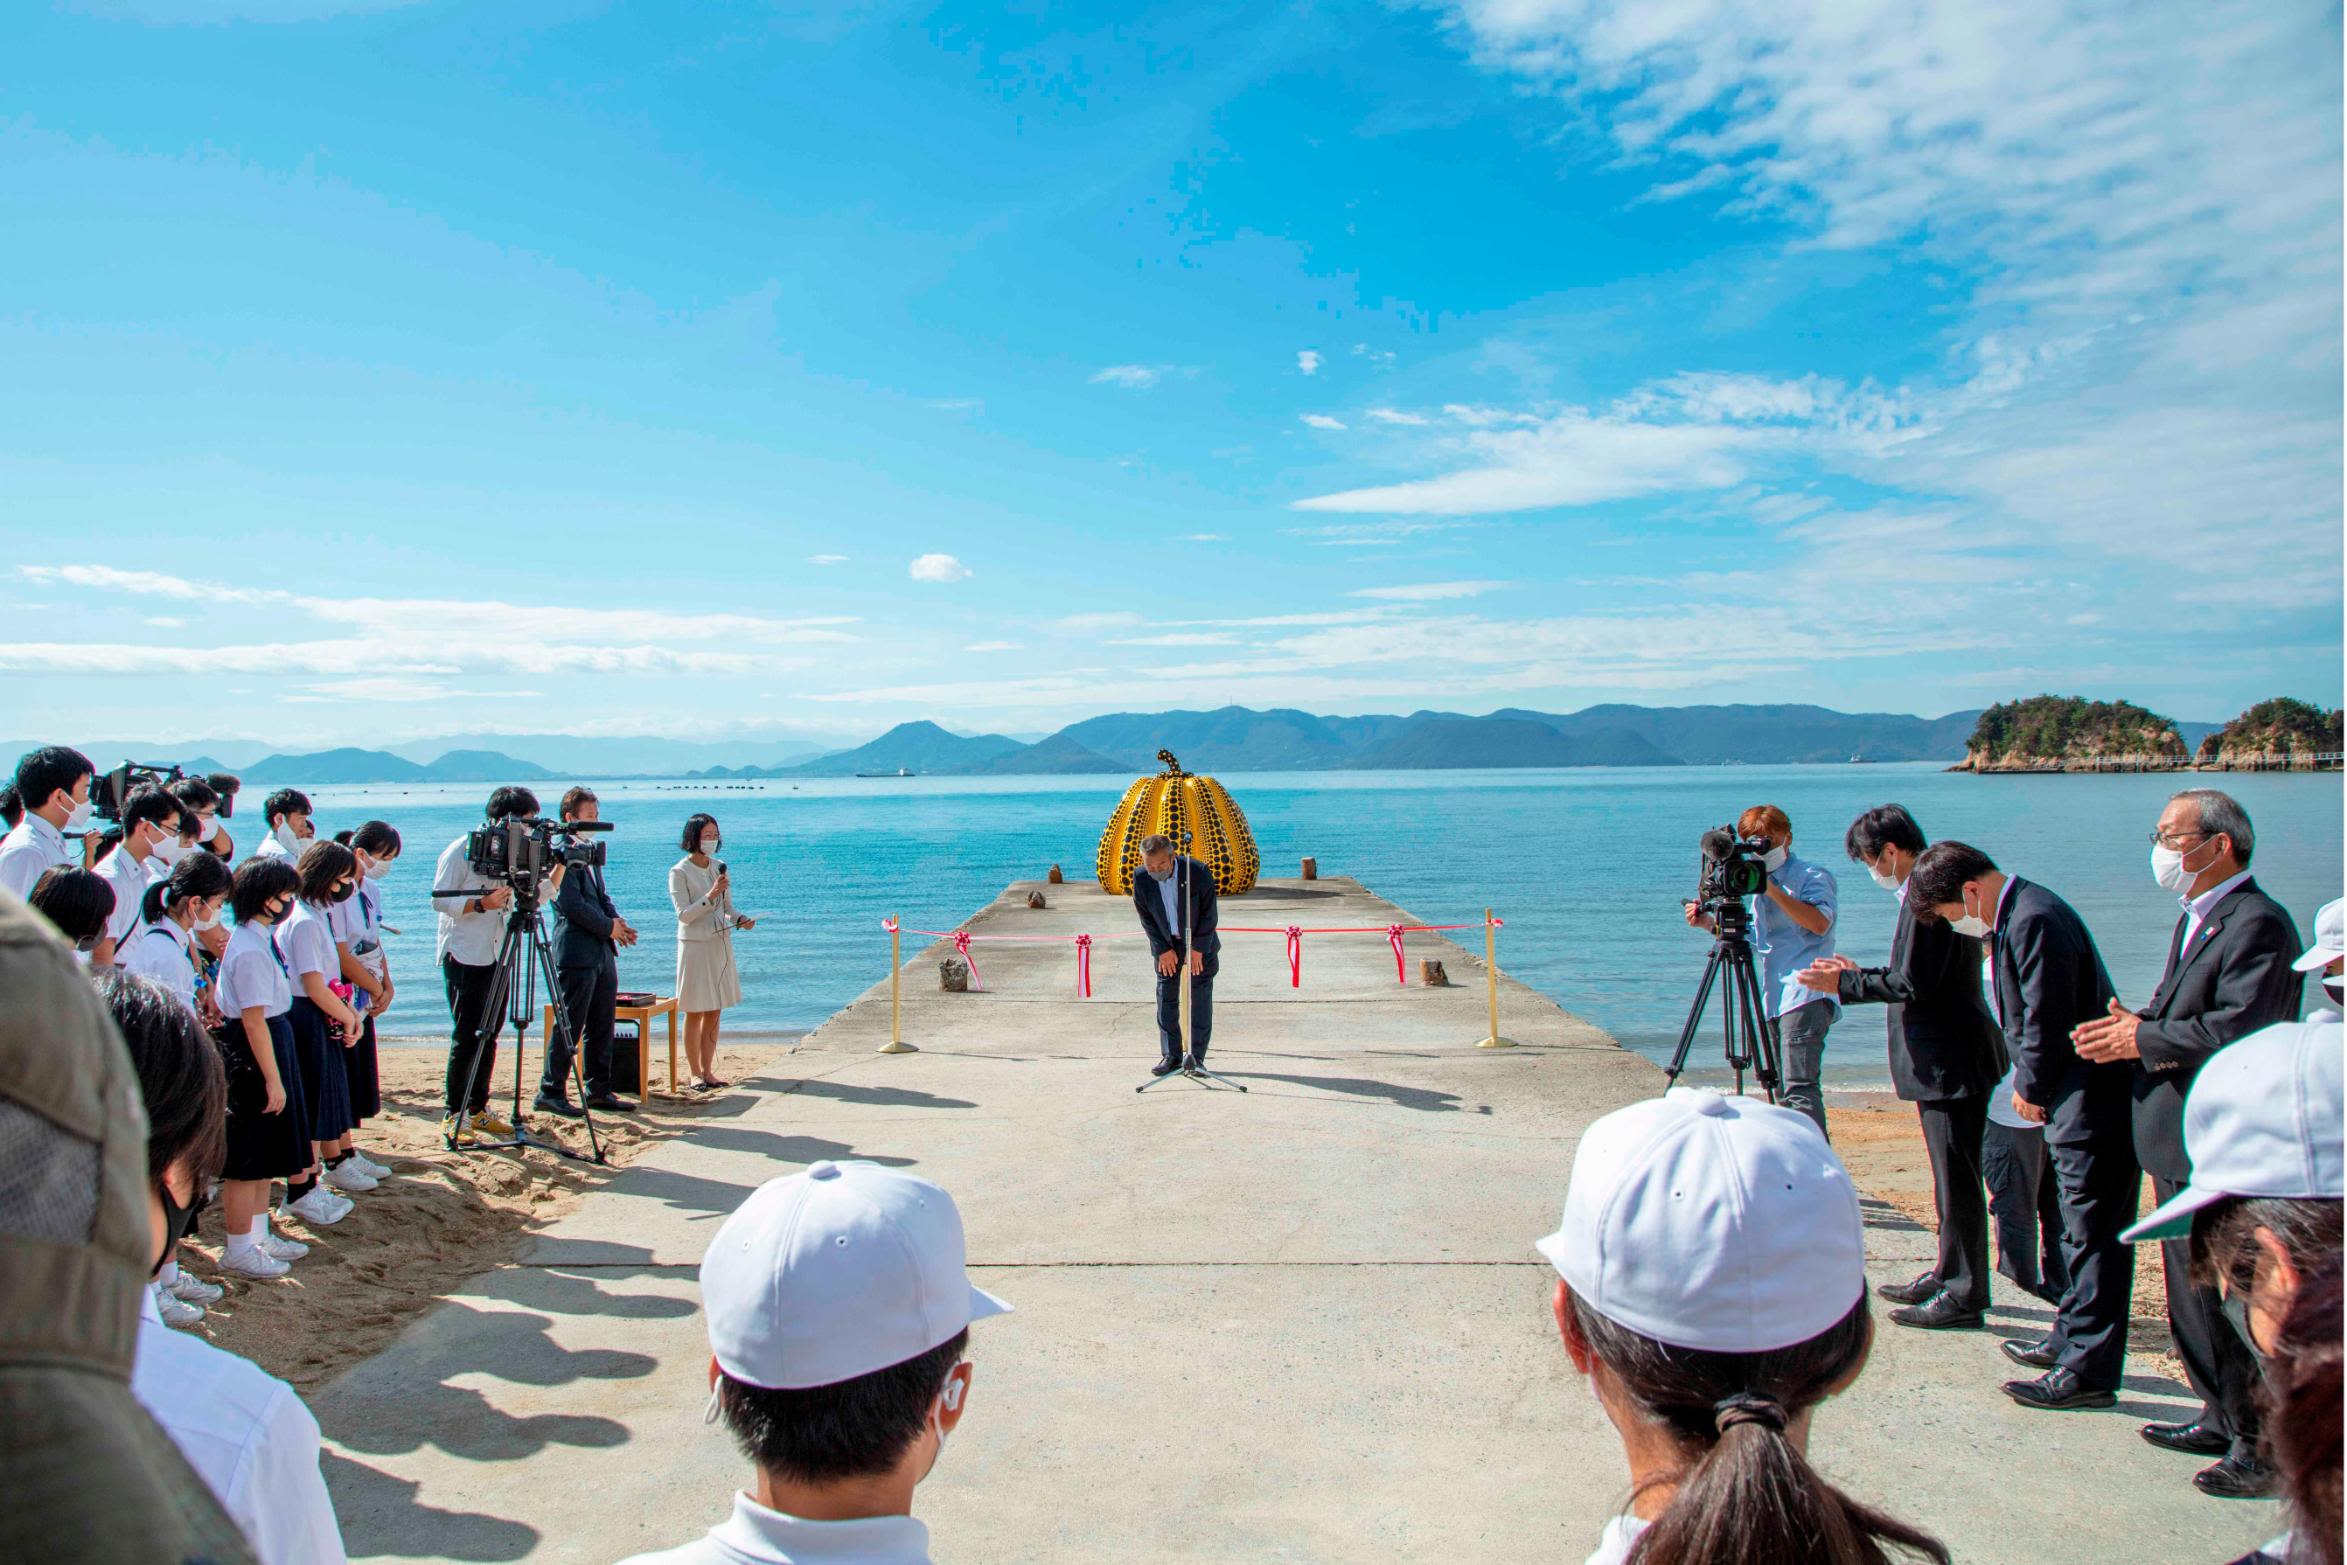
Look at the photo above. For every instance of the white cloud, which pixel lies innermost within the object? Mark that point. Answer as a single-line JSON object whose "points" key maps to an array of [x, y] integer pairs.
{"points": [[164, 621], [1381, 357], [827, 559], [1323, 421], [937, 567], [1397, 416], [1430, 592], [1308, 361], [1132, 377], [958, 404], [400, 689], [1097, 619], [992, 646], [1203, 538], [1179, 638], [1569, 458]]}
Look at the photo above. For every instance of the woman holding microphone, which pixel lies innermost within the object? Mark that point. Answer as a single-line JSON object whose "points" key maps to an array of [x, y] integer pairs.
{"points": [[706, 978]]}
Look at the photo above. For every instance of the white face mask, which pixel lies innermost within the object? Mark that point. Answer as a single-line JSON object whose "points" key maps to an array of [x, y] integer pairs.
{"points": [[209, 921], [77, 817], [286, 839], [711, 844], [1971, 924], [1883, 877], [209, 829], [2167, 867], [378, 868], [1774, 859], [168, 852]]}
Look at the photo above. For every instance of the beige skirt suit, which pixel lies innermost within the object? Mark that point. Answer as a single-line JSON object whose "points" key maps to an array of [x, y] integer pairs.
{"points": [[706, 979]]}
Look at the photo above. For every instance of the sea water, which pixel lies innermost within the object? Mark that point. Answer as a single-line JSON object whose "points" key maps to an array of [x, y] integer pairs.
{"points": [[1587, 867]]}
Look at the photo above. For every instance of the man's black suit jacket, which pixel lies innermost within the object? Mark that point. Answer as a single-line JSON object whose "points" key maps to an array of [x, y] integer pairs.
{"points": [[2235, 979], [2050, 978], [583, 921], [1944, 1044], [1203, 912]]}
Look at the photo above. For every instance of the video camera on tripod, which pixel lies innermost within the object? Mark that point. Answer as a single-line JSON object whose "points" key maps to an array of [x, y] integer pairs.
{"points": [[110, 792], [1730, 869], [521, 850]]}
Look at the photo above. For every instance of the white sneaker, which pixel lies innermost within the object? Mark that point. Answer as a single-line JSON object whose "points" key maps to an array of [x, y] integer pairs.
{"points": [[321, 1208], [195, 1290], [175, 1310], [347, 1175], [369, 1167], [256, 1263], [276, 1245]]}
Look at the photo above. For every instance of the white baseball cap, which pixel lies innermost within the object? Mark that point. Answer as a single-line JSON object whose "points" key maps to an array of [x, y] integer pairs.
{"points": [[836, 1272], [1710, 1222], [2262, 1119], [2330, 937]]}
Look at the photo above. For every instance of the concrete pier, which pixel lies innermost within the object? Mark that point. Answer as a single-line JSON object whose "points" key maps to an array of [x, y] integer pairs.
{"points": [[1305, 1323]]}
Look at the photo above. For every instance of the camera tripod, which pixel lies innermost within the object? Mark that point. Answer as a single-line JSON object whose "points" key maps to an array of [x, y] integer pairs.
{"points": [[513, 995], [1190, 1066], [1748, 1032]]}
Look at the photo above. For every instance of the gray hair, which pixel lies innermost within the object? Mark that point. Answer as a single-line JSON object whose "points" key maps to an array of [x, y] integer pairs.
{"points": [[1156, 842], [2221, 812]]}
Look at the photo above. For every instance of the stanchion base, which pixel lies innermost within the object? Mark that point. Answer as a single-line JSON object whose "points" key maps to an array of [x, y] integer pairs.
{"points": [[896, 1046], [523, 1141], [1495, 1043]]}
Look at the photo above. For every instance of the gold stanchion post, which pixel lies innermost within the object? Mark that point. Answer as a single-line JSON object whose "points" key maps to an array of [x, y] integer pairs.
{"points": [[1491, 983], [896, 979]]}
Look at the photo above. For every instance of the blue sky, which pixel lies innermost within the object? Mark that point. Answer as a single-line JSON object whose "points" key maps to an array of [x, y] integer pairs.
{"points": [[380, 370]]}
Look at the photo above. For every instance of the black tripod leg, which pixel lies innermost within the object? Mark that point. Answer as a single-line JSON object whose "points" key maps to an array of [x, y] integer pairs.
{"points": [[491, 1013], [1761, 1033], [540, 952], [1711, 972]]}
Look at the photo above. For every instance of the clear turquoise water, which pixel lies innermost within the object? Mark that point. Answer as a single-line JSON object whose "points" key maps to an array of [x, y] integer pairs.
{"points": [[1586, 866]]}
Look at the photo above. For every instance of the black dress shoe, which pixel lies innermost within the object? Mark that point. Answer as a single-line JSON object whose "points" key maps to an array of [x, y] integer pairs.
{"points": [[2234, 1479], [610, 1103], [1940, 1312], [2031, 1355], [2058, 1391], [545, 1103], [2193, 1439], [1165, 1067], [1917, 1292]]}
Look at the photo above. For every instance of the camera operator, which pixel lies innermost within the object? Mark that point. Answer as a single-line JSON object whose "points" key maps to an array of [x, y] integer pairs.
{"points": [[588, 933], [1792, 927], [472, 927], [53, 786]]}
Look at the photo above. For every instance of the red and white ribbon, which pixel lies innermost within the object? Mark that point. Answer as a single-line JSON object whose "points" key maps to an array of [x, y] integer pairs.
{"points": [[1295, 957], [1083, 967], [888, 926], [1393, 937], [961, 943]]}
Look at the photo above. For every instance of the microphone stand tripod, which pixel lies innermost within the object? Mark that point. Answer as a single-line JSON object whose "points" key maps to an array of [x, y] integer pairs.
{"points": [[1191, 1065], [525, 953]]}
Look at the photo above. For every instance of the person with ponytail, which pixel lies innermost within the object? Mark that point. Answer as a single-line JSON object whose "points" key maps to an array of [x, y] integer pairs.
{"points": [[268, 1118], [324, 1026], [1712, 1288], [172, 914], [357, 927]]}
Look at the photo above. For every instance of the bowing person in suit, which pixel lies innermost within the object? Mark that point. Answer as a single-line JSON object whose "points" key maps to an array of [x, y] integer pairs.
{"points": [[588, 933], [2049, 978], [1159, 893], [2229, 974], [1946, 1055]]}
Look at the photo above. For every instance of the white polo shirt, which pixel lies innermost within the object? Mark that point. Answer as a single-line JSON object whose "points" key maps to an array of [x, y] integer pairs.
{"points": [[1616, 1542], [129, 879], [163, 953], [252, 973], [247, 1436], [471, 938], [31, 847], [754, 1535]]}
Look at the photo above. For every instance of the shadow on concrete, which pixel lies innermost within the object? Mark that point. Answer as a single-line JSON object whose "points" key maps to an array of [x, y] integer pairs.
{"points": [[1423, 1099], [789, 1149], [881, 1097], [1888, 1218], [565, 1292], [380, 1514], [688, 1192]]}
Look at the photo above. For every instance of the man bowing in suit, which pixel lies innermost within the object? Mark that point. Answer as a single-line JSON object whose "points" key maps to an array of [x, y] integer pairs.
{"points": [[1946, 1055], [1175, 896], [2229, 973], [2049, 978]]}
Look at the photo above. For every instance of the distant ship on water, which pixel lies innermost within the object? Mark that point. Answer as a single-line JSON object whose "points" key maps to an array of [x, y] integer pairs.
{"points": [[899, 772]]}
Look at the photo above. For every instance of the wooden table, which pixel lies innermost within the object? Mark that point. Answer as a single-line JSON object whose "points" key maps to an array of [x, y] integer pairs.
{"points": [[641, 1015]]}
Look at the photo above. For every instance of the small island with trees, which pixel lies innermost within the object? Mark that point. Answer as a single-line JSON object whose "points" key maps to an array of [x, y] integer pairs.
{"points": [[2071, 734]]}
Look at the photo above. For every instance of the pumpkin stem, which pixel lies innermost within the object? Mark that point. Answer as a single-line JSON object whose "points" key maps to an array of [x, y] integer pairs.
{"points": [[1173, 768]]}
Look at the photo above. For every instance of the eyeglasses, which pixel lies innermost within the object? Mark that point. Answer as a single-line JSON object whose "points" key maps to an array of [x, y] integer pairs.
{"points": [[2175, 839]]}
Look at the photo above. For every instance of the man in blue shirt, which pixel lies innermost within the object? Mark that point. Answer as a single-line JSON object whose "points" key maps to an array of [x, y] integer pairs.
{"points": [[1792, 926]]}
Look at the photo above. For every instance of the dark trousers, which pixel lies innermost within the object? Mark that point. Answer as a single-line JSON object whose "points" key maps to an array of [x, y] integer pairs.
{"points": [[2101, 1186], [2219, 1364], [1953, 1129], [2027, 1205], [474, 1036], [589, 995], [1169, 1014]]}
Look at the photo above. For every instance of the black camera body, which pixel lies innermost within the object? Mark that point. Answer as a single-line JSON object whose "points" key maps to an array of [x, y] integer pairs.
{"points": [[110, 791], [1731, 869], [522, 850]]}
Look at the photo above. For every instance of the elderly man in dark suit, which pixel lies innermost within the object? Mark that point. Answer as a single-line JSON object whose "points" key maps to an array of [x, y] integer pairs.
{"points": [[1946, 1054], [2229, 973], [1174, 895], [588, 933], [2049, 979]]}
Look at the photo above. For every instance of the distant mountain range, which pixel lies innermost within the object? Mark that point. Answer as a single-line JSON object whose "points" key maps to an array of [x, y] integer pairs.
{"points": [[1231, 739]]}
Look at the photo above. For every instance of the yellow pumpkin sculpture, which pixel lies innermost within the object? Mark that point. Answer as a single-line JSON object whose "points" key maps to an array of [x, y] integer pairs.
{"points": [[1169, 804]]}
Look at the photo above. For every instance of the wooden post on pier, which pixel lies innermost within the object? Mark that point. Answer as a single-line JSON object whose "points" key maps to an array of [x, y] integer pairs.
{"points": [[896, 978], [1491, 983]]}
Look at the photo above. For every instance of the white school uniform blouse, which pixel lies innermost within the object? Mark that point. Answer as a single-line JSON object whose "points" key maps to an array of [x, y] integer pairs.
{"points": [[251, 973], [754, 1535], [247, 1436], [32, 846], [307, 944], [161, 952], [129, 880]]}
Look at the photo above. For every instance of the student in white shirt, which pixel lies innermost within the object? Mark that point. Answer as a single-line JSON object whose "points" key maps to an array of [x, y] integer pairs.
{"points": [[150, 836], [268, 1119], [53, 786], [323, 1025], [290, 831], [243, 1431], [358, 945], [839, 1305], [1712, 1288]]}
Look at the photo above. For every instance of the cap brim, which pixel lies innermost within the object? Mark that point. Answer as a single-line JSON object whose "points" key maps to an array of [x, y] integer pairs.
{"points": [[983, 1304], [2320, 956], [2174, 1220], [1552, 1249]]}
